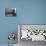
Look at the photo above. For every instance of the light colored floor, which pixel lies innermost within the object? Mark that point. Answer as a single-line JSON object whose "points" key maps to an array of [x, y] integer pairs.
{"points": [[7, 45], [30, 43]]}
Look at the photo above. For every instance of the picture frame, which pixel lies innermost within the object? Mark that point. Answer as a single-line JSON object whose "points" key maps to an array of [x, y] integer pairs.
{"points": [[10, 11]]}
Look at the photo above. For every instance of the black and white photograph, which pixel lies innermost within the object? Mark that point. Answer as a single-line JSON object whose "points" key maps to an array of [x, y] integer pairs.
{"points": [[10, 11]]}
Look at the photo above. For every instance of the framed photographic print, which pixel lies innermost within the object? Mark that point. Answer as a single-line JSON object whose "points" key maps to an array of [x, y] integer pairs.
{"points": [[10, 11]]}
